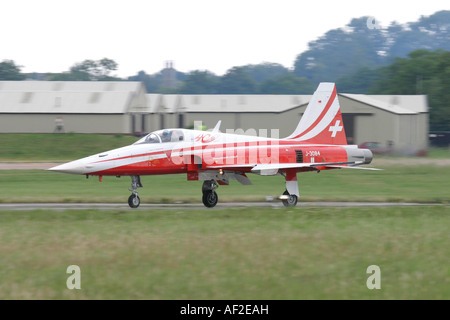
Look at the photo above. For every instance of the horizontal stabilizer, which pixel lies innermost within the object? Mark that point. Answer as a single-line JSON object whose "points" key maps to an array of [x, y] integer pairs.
{"points": [[352, 167]]}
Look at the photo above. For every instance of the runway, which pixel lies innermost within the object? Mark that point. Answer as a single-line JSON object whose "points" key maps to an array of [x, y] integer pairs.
{"points": [[197, 206], [27, 165]]}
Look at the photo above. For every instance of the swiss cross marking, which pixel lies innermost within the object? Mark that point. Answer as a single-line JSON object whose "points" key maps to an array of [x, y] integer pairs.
{"points": [[334, 129]]}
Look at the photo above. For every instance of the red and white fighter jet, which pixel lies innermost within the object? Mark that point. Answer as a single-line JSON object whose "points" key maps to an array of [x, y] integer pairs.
{"points": [[318, 143]]}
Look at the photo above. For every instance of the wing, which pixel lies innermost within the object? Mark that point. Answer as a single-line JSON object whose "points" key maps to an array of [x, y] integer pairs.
{"points": [[272, 168]]}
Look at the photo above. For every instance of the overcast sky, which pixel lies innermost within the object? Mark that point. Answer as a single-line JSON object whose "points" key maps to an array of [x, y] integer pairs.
{"points": [[52, 35]]}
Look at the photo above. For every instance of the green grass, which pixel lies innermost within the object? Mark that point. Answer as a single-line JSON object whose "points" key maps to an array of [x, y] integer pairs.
{"points": [[394, 184], [51, 147], [439, 153], [251, 253]]}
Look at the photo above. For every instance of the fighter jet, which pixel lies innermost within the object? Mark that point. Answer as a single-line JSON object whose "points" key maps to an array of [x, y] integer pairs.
{"points": [[318, 143]]}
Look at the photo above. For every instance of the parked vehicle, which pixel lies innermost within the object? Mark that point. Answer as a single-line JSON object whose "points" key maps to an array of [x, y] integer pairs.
{"points": [[375, 147]]}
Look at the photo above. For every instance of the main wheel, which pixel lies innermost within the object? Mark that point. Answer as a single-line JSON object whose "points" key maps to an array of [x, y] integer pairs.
{"points": [[291, 201], [134, 201], [210, 198]]}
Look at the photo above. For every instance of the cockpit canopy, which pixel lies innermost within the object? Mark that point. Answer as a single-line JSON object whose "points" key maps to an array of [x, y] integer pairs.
{"points": [[162, 136]]}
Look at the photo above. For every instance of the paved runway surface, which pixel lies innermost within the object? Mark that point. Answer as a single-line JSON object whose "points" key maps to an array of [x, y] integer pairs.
{"points": [[26, 165], [195, 206]]}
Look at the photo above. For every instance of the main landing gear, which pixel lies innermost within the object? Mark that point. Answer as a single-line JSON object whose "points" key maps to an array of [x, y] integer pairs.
{"points": [[289, 200], [134, 201], [290, 196], [210, 197]]}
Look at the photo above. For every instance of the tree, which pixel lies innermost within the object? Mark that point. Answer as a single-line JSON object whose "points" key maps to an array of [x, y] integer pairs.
{"points": [[89, 70], [422, 72], [264, 71], [10, 71], [359, 82], [342, 52], [237, 81], [287, 84], [200, 82], [105, 66], [151, 82], [429, 32]]}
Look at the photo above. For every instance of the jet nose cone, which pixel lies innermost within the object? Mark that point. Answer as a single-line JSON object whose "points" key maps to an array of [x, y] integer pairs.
{"points": [[74, 167]]}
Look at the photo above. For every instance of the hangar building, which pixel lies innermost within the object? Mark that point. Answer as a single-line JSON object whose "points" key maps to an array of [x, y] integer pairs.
{"points": [[397, 121], [69, 106]]}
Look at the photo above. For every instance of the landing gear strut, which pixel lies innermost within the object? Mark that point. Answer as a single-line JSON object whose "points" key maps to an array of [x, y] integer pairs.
{"points": [[290, 196], [134, 201], [210, 197]]}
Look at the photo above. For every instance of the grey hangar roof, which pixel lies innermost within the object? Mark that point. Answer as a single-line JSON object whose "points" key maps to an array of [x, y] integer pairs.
{"points": [[116, 97]]}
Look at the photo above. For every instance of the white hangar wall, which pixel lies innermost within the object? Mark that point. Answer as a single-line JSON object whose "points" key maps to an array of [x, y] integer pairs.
{"points": [[124, 107], [77, 106], [57, 123]]}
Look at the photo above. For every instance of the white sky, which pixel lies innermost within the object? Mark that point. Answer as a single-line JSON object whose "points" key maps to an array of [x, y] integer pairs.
{"points": [[52, 35]]}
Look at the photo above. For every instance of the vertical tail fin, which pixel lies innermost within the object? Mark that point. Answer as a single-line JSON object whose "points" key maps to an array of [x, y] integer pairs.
{"points": [[322, 121]]}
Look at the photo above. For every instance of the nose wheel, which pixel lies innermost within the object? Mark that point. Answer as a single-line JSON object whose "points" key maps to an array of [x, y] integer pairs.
{"points": [[134, 201]]}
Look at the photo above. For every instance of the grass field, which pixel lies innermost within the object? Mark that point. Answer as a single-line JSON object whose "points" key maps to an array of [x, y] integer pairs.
{"points": [[252, 253]]}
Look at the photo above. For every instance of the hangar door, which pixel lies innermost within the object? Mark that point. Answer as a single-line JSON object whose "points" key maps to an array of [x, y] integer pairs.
{"points": [[349, 125]]}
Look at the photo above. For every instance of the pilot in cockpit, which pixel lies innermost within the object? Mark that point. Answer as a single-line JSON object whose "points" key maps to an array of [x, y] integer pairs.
{"points": [[165, 137]]}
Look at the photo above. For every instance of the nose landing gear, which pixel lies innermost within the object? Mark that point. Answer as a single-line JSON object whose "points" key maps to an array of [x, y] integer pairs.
{"points": [[134, 201]]}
